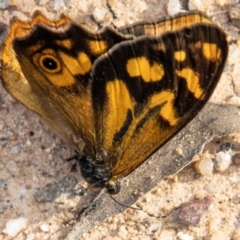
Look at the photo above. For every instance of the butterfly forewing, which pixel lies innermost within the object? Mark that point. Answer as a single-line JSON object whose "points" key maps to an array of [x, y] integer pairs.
{"points": [[148, 89]]}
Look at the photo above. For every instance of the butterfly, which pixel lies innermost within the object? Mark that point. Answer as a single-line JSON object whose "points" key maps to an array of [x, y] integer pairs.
{"points": [[117, 94]]}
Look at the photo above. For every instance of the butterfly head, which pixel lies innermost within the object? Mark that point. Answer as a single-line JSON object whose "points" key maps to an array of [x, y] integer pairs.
{"points": [[98, 175]]}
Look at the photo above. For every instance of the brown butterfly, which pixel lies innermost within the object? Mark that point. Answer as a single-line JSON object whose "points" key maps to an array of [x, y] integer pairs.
{"points": [[116, 95]]}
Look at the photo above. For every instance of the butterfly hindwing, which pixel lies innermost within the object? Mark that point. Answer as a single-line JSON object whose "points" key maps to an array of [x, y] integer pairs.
{"points": [[53, 77]]}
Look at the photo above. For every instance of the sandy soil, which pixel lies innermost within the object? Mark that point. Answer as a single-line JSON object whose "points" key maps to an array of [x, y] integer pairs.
{"points": [[38, 184]]}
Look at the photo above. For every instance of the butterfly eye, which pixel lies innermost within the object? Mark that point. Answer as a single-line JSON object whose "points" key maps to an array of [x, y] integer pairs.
{"points": [[50, 63]]}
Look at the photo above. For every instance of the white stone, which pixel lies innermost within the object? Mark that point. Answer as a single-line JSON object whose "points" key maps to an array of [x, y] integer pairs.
{"points": [[14, 226], [184, 236], [99, 14], [223, 161], [44, 227], [173, 7], [205, 167]]}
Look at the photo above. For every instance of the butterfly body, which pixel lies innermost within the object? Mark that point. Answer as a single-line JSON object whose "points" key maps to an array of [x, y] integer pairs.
{"points": [[116, 95]]}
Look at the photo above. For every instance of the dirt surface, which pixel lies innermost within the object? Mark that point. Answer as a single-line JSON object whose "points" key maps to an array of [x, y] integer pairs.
{"points": [[38, 184]]}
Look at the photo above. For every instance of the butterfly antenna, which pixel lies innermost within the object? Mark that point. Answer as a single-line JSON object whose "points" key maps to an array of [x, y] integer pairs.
{"points": [[123, 205], [74, 157]]}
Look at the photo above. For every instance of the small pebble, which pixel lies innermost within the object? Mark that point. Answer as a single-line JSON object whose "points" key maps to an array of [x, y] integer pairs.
{"points": [[211, 188], [223, 161], [14, 226], [44, 227], [15, 149], [173, 7], [153, 227], [205, 167], [190, 213], [184, 236], [99, 14]]}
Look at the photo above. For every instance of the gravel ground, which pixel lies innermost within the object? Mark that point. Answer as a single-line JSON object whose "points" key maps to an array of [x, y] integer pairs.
{"points": [[37, 184]]}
